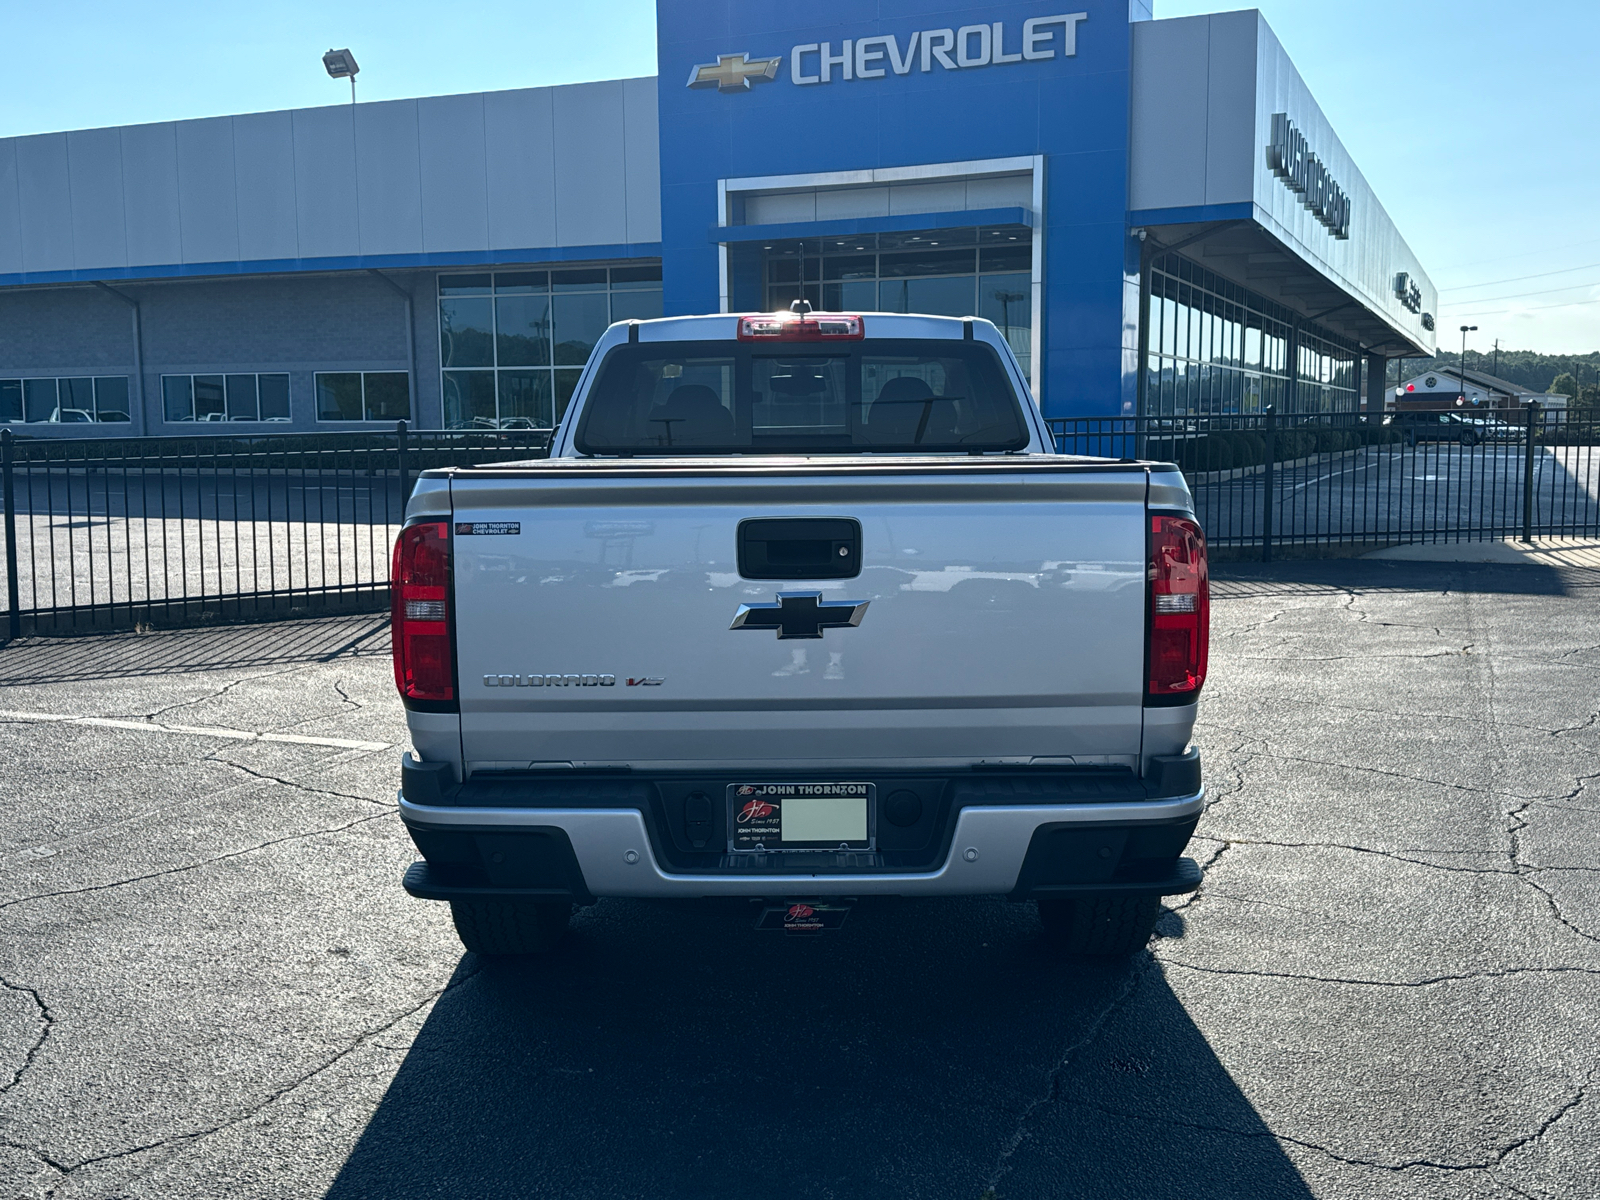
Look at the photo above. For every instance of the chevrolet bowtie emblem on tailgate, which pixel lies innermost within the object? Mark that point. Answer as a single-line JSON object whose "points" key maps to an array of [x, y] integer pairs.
{"points": [[800, 615], [734, 72]]}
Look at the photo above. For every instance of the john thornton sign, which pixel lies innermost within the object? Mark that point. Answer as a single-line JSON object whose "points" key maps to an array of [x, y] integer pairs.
{"points": [[1291, 160]]}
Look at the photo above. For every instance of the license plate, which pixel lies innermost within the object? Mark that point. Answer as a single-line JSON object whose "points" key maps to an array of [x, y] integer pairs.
{"points": [[768, 817], [800, 917]]}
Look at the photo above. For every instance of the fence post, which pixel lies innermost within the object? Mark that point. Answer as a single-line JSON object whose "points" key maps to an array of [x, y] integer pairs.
{"points": [[404, 467], [13, 592], [1266, 482], [1527, 473]]}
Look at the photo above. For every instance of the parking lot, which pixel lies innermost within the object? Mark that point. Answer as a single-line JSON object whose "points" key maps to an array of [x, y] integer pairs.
{"points": [[1435, 490], [211, 982]]}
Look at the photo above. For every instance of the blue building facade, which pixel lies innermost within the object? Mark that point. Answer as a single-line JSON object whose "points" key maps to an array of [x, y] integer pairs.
{"points": [[1156, 214]]}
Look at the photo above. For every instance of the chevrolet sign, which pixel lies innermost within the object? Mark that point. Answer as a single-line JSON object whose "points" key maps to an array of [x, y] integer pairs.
{"points": [[734, 72], [875, 57]]}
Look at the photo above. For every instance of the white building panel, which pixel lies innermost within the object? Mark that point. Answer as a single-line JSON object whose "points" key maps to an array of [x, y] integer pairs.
{"points": [[10, 214], [1231, 106], [590, 179], [44, 194], [94, 163], [1002, 191], [642, 159], [783, 207], [1366, 263], [150, 195], [852, 202], [1205, 90], [519, 147], [325, 182], [927, 197], [531, 169], [1169, 115], [388, 178], [264, 186], [207, 211], [455, 188]]}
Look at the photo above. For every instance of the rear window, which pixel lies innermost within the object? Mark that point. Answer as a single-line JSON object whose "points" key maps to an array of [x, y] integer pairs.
{"points": [[892, 395]]}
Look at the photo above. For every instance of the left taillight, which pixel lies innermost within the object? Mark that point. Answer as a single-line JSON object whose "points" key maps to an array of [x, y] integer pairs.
{"points": [[419, 590], [1180, 611]]}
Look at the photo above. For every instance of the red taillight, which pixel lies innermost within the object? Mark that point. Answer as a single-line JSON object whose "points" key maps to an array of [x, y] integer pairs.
{"points": [[812, 327], [419, 613], [1180, 609]]}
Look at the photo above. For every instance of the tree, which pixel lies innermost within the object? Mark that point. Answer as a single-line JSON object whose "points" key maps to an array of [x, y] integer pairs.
{"points": [[1582, 396]]}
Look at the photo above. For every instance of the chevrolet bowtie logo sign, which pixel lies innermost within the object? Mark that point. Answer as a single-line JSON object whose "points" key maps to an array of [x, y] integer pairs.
{"points": [[734, 72], [800, 615]]}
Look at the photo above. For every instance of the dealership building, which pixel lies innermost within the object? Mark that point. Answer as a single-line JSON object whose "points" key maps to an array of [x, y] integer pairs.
{"points": [[1156, 213]]}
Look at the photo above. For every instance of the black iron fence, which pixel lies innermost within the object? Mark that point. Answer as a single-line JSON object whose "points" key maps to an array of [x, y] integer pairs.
{"points": [[103, 532], [1265, 482]]}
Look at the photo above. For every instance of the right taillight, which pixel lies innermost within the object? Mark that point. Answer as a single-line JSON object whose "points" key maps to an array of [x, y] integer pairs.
{"points": [[1180, 611], [419, 613]]}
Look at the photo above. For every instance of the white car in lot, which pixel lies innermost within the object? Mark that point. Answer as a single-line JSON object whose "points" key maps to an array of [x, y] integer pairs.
{"points": [[802, 608]]}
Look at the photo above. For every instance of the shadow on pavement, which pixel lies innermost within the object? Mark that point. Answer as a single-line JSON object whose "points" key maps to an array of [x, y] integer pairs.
{"points": [[1237, 579], [671, 1050], [180, 651]]}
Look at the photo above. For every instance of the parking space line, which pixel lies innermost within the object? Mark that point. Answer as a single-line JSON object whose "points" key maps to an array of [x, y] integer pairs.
{"points": [[211, 731]]}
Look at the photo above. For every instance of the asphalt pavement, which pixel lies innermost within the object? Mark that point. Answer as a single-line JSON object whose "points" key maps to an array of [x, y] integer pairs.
{"points": [[212, 984]]}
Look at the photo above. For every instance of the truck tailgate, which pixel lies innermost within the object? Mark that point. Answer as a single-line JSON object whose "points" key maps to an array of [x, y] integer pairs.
{"points": [[1005, 615]]}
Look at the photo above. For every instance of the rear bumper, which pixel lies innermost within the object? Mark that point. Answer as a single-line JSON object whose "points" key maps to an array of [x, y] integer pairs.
{"points": [[1024, 851]]}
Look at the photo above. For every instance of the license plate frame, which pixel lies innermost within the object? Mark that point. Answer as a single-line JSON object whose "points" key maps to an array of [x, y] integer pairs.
{"points": [[759, 811]]}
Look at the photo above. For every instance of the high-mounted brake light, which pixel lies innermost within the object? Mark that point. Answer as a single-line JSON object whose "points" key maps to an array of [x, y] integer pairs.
{"points": [[808, 327], [424, 667], [1180, 611]]}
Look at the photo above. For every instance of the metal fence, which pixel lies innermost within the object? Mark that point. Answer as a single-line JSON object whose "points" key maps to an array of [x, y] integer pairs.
{"points": [[1265, 483], [103, 533]]}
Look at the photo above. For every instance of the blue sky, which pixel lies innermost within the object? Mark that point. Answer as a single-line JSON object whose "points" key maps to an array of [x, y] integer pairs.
{"points": [[1477, 122]]}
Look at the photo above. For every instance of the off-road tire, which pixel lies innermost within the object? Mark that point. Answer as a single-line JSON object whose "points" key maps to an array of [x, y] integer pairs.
{"points": [[497, 928], [1100, 926]]}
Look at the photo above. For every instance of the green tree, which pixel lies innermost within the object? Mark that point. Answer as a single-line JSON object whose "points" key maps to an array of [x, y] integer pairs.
{"points": [[1584, 397]]}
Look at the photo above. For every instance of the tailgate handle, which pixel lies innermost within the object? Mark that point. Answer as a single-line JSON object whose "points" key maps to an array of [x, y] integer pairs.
{"points": [[800, 548]]}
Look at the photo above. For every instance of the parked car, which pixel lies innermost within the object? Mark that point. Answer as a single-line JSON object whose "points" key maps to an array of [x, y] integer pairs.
{"points": [[801, 608], [1493, 429], [1436, 427]]}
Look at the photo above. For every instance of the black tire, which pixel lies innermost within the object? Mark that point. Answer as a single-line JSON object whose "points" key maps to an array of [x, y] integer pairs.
{"points": [[1100, 926], [1411, 440], [496, 928]]}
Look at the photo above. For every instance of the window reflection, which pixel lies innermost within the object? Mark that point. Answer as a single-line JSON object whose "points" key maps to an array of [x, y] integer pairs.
{"points": [[511, 341], [985, 272], [1216, 348]]}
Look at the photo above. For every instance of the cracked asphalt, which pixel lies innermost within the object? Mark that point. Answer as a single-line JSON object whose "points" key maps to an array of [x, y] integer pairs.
{"points": [[211, 983]]}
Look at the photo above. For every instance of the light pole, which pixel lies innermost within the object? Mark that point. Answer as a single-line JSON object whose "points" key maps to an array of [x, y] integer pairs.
{"points": [[1465, 329], [341, 64]]}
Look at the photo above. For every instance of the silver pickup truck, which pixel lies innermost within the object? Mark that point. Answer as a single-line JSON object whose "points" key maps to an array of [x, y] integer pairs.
{"points": [[802, 608]]}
